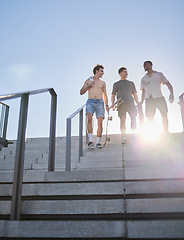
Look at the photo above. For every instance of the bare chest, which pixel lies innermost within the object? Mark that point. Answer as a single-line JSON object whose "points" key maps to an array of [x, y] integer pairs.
{"points": [[96, 91]]}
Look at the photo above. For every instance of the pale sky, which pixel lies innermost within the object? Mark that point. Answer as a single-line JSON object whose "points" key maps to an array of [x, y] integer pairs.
{"points": [[56, 43]]}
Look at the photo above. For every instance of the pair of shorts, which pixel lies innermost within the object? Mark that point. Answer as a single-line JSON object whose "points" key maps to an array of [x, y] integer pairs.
{"points": [[127, 107], [153, 103], [95, 106]]}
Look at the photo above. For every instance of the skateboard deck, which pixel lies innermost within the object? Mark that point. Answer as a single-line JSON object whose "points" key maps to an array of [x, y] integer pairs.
{"points": [[117, 104], [106, 135]]}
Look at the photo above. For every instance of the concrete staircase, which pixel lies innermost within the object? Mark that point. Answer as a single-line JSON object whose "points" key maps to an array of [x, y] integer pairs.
{"points": [[132, 191], [36, 154]]}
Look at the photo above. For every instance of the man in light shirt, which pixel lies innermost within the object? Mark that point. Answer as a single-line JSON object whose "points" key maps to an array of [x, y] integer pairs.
{"points": [[151, 93]]}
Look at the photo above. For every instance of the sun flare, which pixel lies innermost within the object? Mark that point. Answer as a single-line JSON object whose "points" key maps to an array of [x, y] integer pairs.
{"points": [[150, 131]]}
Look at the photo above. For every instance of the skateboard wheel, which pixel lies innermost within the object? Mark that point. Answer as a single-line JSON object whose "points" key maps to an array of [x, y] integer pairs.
{"points": [[108, 139]]}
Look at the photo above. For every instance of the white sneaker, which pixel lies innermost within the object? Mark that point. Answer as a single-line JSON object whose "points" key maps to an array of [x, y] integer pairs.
{"points": [[98, 145], [124, 140], [90, 145]]}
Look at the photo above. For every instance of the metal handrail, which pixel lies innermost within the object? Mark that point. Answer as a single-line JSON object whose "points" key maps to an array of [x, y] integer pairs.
{"points": [[17, 95], [181, 103], [68, 136], [20, 147], [4, 120]]}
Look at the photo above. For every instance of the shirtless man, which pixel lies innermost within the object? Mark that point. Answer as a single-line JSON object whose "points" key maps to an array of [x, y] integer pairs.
{"points": [[96, 93]]}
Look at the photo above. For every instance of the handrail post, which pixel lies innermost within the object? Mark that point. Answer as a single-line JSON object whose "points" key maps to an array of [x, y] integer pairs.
{"points": [[19, 159], [68, 136], [181, 102], [81, 133], [51, 158], [5, 122], [2, 120], [68, 145]]}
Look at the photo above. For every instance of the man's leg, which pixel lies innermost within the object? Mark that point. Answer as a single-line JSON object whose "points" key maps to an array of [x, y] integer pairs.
{"points": [[90, 122], [150, 118], [162, 106], [100, 127], [122, 125], [132, 113], [133, 123], [123, 129], [90, 128], [122, 109], [165, 123], [150, 109], [99, 132], [100, 113]]}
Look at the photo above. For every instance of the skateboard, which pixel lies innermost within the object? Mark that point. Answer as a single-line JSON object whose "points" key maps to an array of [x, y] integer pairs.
{"points": [[106, 135], [117, 104]]}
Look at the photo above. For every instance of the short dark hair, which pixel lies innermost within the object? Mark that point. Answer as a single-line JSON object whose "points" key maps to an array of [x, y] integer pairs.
{"points": [[121, 69], [97, 68], [148, 62]]}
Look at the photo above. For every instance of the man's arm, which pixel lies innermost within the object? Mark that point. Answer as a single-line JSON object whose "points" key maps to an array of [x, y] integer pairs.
{"points": [[136, 98], [143, 96], [86, 86], [134, 93], [114, 91], [112, 100], [105, 97], [171, 97]]}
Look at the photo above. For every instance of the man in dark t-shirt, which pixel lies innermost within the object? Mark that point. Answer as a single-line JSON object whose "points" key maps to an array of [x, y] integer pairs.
{"points": [[126, 91]]}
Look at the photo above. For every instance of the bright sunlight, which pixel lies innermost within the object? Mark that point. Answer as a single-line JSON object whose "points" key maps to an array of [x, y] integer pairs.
{"points": [[151, 131]]}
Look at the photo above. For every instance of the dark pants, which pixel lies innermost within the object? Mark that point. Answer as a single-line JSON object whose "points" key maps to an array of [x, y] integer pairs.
{"points": [[152, 104]]}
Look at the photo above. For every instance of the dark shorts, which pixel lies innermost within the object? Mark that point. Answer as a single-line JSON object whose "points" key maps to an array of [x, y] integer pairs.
{"points": [[127, 107], [153, 103]]}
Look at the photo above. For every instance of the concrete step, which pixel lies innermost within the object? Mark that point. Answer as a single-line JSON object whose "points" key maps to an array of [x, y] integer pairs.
{"points": [[45, 176], [66, 207], [154, 172], [114, 229], [94, 207], [155, 205], [163, 186], [66, 189], [61, 229], [7, 166], [100, 165]]}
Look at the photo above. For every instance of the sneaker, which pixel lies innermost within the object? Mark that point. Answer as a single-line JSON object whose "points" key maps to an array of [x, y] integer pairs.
{"points": [[90, 145], [124, 140], [98, 145]]}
